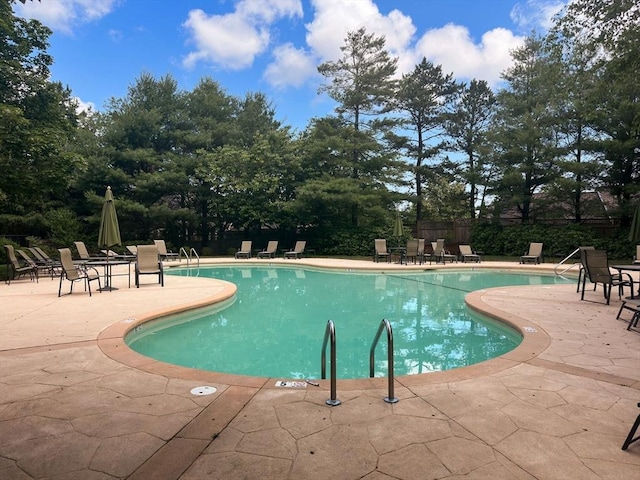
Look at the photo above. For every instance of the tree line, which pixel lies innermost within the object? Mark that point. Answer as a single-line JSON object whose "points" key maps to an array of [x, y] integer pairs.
{"points": [[192, 166]]}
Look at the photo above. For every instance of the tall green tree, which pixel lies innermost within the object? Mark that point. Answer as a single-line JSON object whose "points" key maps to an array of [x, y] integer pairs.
{"points": [[246, 181], [423, 98], [37, 123], [571, 103], [606, 36], [144, 140], [524, 131], [467, 127], [361, 82]]}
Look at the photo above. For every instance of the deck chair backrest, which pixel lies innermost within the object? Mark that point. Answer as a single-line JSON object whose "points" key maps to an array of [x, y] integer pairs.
{"points": [[583, 254], [245, 246], [69, 269], [147, 258], [34, 251], [132, 249], [465, 250], [421, 246], [597, 266], [272, 246], [535, 250], [438, 247], [27, 259], [82, 250], [43, 254], [161, 246], [637, 257], [300, 244], [412, 248], [380, 246], [11, 253]]}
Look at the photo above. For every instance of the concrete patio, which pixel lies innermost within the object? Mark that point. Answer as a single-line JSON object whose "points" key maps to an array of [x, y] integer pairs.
{"points": [[76, 403]]}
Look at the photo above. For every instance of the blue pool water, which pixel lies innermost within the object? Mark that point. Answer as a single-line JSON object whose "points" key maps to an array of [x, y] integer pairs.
{"points": [[276, 325]]}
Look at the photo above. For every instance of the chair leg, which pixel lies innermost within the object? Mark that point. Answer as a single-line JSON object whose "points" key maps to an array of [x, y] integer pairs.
{"points": [[632, 432], [579, 278], [620, 311]]}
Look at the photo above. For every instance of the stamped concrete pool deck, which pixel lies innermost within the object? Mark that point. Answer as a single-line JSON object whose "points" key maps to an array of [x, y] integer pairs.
{"points": [[76, 403]]}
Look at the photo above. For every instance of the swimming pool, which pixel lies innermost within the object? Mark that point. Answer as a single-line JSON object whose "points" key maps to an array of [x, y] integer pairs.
{"points": [[275, 325]]}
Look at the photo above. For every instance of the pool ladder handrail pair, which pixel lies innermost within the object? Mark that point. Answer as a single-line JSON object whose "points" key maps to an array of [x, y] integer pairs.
{"points": [[192, 252], [330, 335]]}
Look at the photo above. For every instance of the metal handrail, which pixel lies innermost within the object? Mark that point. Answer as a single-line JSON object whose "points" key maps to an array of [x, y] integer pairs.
{"points": [[192, 251], [186, 255], [384, 324], [329, 334], [555, 269]]}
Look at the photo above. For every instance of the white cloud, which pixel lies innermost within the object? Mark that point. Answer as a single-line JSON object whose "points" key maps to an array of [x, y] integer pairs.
{"points": [[536, 14], [332, 20], [87, 107], [291, 67], [63, 15], [235, 39], [452, 47]]}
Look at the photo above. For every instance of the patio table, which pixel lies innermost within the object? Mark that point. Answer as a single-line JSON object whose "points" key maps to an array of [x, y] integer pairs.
{"points": [[108, 265], [628, 268]]}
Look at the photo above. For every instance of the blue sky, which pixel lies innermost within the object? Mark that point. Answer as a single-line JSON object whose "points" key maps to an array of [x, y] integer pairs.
{"points": [[100, 47]]}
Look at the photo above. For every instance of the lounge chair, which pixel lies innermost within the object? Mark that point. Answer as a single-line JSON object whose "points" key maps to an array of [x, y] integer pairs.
{"points": [[380, 250], [596, 268], [245, 249], [56, 268], [633, 305], [83, 253], [15, 269], [148, 263], [163, 252], [76, 273], [636, 257], [582, 265], [297, 250], [533, 255], [270, 251], [439, 253], [411, 251], [467, 255], [37, 264]]}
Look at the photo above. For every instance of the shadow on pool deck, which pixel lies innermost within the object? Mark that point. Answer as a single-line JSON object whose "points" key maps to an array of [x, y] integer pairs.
{"points": [[76, 403]]}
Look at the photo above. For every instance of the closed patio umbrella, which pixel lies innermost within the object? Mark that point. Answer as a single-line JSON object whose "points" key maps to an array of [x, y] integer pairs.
{"points": [[109, 233], [398, 228]]}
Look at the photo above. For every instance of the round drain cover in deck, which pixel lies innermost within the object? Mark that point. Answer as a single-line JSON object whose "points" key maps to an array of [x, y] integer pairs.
{"points": [[205, 390]]}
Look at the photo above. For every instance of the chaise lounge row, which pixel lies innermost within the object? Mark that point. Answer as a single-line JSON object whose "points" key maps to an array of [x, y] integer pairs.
{"points": [[415, 250], [271, 251]]}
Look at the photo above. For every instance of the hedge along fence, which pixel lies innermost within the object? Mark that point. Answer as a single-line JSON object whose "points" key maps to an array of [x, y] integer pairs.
{"points": [[560, 237]]}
